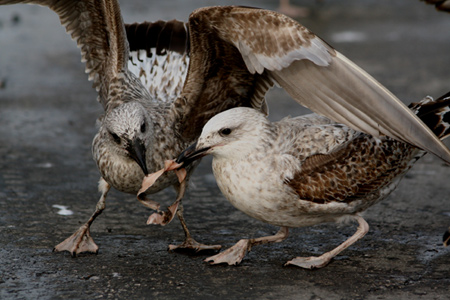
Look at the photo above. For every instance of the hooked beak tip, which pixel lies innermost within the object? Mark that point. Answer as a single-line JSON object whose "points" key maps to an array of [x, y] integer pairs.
{"points": [[137, 151], [191, 154], [184, 155]]}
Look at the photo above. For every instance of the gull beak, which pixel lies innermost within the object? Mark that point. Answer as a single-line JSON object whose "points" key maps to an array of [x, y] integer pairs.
{"points": [[192, 154], [136, 149]]}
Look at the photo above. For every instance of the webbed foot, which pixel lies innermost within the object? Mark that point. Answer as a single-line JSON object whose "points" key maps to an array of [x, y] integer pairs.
{"points": [[231, 256], [79, 242], [313, 262]]}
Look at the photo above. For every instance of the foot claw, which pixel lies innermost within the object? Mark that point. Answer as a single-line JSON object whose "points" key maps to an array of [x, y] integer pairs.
{"points": [[193, 245], [312, 262], [163, 218]]}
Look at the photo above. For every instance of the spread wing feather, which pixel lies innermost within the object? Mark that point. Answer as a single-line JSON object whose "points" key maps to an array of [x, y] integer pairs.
{"points": [[98, 29], [284, 52], [159, 57]]}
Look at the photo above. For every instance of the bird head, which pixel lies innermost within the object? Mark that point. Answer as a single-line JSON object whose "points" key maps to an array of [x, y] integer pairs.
{"points": [[230, 134], [128, 129]]}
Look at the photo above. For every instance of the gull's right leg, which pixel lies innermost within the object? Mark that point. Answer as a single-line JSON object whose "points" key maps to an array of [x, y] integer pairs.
{"points": [[446, 238], [321, 261], [189, 243]]}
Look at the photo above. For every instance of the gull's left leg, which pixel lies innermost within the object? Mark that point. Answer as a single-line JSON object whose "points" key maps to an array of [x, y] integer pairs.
{"points": [[189, 242], [324, 259], [446, 237], [235, 254]]}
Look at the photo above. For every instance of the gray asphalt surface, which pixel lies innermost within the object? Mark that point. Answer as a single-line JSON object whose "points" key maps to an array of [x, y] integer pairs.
{"points": [[48, 112]]}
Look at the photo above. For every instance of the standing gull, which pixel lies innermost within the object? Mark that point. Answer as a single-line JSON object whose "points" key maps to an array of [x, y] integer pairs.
{"points": [[235, 55], [305, 171]]}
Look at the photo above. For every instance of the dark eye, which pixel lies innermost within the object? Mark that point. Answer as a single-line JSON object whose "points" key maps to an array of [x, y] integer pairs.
{"points": [[225, 131], [115, 137], [143, 127]]}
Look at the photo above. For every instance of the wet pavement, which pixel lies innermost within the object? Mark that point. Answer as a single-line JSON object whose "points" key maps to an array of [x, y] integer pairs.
{"points": [[47, 121]]}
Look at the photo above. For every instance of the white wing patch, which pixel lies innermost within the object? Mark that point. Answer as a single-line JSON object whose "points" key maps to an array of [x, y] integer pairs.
{"points": [[162, 75], [317, 52]]}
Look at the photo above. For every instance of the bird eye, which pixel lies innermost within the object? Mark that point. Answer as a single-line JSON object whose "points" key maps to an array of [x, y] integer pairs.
{"points": [[143, 127], [225, 131], [115, 137]]}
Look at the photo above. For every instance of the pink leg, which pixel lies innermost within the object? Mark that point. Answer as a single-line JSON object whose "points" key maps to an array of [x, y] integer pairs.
{"points": [[81, 240], [324, 259], [189, 242], [235, 254]]}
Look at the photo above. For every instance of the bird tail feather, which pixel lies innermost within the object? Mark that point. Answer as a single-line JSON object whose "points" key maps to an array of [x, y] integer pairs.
{"points": [[435, 114]]}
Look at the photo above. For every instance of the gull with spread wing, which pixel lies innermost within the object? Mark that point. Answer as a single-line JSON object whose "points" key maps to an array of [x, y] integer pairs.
{"points": [[305, 171], [235, 55]]}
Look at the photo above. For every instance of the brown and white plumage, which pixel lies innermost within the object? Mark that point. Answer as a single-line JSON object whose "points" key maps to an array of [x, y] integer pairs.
{"points": [[306, 170], [312, 72], [135, 126], [159, 57], [235, 55]]}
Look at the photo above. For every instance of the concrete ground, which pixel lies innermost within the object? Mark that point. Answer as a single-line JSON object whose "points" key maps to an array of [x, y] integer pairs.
{"points": [[47, 121]]}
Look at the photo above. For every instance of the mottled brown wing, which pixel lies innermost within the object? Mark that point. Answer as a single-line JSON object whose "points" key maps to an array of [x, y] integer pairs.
{"points": [[231, 47], [358, 166], [352, 172], [98, 29], [159, 57], [217, 79]]}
